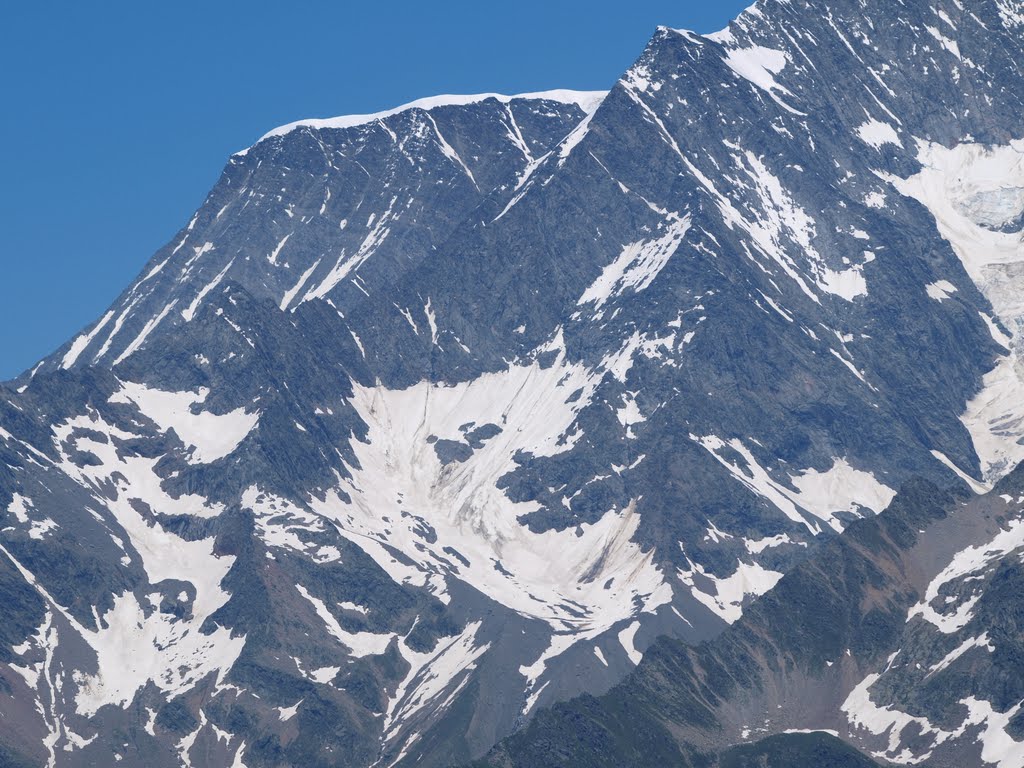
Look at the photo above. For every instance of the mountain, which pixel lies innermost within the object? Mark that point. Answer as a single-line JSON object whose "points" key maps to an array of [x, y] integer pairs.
{"points": [[903, 635], [434, 418]]}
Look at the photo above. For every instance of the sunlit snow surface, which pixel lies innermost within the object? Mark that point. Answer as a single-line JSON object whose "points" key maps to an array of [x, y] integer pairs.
{"points": [[583, 579], [976, 195], [209, 436], [813, 496], [586, 100], [945, 613], [134, 643]]}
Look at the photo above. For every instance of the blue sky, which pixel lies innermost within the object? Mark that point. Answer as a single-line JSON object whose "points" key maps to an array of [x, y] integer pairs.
{"points": [[118, 116]]}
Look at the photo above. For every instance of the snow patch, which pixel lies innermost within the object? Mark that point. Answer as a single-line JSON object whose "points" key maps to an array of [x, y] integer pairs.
{"points": [[995, 419], [976, 194], [841, 488], [627, 637], [210, 436], [981, 641], [360, 644], [638, 264], [134, 642], [729, 594], [431, 674], [79, 345], [759, 65], [965, 563], [877, 134]]}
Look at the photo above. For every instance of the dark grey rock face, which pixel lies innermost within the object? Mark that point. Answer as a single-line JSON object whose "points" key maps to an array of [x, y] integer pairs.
{"points": [[430, 419]]}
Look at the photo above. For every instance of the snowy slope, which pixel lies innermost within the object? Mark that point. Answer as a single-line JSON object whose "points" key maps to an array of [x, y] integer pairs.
{"points": [[431, 418], [901, 637]]}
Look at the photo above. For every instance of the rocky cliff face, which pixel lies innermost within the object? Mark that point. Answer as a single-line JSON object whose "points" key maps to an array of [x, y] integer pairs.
{"points": [[432, 418]]}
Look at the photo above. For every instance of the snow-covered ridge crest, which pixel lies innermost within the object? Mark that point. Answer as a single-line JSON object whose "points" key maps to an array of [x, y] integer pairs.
{"points": [[588, 101]]}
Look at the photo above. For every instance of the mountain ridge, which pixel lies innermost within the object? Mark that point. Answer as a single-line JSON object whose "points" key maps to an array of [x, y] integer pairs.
{"points": [[585, 100], [421, 426]]}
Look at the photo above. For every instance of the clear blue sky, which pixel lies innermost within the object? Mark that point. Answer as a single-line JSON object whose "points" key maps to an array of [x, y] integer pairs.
{"points": [[118, 116]]}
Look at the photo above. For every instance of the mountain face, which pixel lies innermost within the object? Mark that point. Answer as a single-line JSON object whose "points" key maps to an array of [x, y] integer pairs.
{"points": [[903, 636], [431, 419]]}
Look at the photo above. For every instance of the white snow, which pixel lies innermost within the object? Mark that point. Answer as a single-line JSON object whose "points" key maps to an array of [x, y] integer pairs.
{"points": [[637, 265], [272, 258], [847, 284], [841, 488], [627, 637], [557, 576], [965, 563], [865, 714], [995, 419], [378, 233], [940, 290], [323, 675], [190, 312], [731, 592], [997, 746], [282, 523], [19, 507], [585, 100], [779, 220], [294, 290], [135, 643], [449, 151], [877, 134], [238, 762], [1011, 13], [359, 643], [210, 436], [140, 645], [822, 494], [118, 323], [756, 547], [981, 641], [974, 484], [760, 65], [431, 321], [431, 674], [975, 191], [564, 150], [945, 42], [79, 345], [152, 323], [875, 199]]}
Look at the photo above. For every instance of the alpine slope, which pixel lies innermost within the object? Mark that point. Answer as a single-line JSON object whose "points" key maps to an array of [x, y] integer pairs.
{"points": [[431, 419]]}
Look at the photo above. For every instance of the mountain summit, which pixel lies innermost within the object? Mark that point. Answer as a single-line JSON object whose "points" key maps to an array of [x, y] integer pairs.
{"points": [[432, 419]]}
